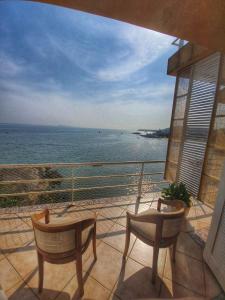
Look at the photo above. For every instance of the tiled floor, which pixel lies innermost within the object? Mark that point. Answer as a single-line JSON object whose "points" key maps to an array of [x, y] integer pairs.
{"points": [[108, 277]]}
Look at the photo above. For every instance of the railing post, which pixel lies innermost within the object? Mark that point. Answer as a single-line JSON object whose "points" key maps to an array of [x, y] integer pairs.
{"points": [[72, 183], [140, 181]]}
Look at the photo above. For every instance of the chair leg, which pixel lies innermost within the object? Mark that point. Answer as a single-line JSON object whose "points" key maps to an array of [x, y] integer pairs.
{"points": [[80, 275], [127, 243], [155, 263], [94, 242], [174, 251], [41, 272]]}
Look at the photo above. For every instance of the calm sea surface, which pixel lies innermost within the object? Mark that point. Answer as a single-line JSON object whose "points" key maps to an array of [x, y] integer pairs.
{"points": [[48, 144], [42, 144]]}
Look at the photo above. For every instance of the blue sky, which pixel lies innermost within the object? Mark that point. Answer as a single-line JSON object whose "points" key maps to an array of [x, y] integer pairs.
{"points": [[64, 67]]}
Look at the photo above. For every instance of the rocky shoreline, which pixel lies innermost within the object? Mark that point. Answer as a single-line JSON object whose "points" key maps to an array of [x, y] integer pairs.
{"points": [[148, 133]]}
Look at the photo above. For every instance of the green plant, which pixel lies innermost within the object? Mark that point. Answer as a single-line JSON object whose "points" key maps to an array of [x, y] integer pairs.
{"points": [[177, 191], [7, 202]]}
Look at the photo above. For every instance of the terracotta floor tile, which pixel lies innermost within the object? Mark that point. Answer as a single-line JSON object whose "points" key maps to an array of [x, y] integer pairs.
{"points": [[21, 291], [188, 277], [119, 202], [189, 222], [16, 238], [144, 254], [113, 296], [8, 276], [136, 208], [111, 213], [96, 205], [1, 255], [24, 259], [203, 223], [187, 272], [56, 277], [25, 216], [187, 245], [117, 236], [103, 226], [73, 211], [203, 210], [80, 213], [145, 199], [122, 219], [107, 267], [9, 221], [188, 225], [212, 287], [89, 252], [171, 289], [135, 282], [192, 211], [154, 204], [92, 289]]}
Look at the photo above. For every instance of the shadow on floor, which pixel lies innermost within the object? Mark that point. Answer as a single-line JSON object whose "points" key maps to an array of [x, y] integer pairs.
{"points": [[138, 285]]}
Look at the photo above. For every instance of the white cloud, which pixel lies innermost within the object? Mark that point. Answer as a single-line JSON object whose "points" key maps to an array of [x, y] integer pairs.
{"points": [[144, 45], [110, 51], [9, 66], [23, 104], [135, 48]]}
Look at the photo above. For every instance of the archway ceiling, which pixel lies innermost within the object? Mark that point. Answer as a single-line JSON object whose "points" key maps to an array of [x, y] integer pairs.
{"points": [[198, 21]]}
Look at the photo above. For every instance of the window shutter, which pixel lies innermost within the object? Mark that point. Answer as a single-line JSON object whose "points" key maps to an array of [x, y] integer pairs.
{"points": [[198, 119]]}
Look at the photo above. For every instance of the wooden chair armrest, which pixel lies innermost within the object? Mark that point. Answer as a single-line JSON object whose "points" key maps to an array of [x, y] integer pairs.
{"points": [[162, 201], [148, 218], [66, 225], [175, 203], [41, 215]]}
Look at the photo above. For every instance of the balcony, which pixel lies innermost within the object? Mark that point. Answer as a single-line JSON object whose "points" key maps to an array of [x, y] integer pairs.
{"points": [[107, 278]]}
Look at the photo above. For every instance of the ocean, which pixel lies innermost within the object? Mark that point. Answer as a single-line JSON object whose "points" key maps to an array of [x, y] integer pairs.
{"points": [[47, 144], [58, 144]]}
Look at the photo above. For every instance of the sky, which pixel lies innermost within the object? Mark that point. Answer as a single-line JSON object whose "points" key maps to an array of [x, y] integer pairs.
{"points": [[64, 67]]}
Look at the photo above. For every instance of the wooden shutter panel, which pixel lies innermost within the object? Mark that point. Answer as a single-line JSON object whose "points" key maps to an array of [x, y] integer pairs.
{"points": [[177, 122], [198, 119], [215, 153]]}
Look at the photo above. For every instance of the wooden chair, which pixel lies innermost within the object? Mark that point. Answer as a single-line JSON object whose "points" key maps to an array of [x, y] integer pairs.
{"points": [[63, 241], [157, 229]]}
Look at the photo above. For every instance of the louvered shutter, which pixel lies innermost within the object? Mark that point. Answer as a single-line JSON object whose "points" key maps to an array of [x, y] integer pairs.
{"points": [[197, 122], [177, 123]]}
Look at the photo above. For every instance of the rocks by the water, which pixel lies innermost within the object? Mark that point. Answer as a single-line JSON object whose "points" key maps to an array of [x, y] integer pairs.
{"points": [[20, 174], [148, 133]]}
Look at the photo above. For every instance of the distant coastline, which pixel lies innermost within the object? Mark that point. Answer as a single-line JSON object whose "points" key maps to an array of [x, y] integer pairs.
{"points": [[149, 133]]}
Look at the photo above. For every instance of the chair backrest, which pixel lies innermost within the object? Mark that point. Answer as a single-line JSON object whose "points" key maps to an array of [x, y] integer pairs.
{"points": [[66, 236], [172, 221]]}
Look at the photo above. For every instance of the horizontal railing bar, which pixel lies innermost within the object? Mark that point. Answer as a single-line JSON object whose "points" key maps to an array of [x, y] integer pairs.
{"points": [[42, 180], [74, 165], [118, 175], [76, 190]]}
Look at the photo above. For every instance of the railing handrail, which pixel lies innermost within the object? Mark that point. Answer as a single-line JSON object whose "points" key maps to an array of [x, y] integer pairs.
{"points": [[73, 165], [56, 179], [76, 177], [102, 187]]}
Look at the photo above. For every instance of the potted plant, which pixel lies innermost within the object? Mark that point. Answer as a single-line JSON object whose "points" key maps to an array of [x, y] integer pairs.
{"points": [[178, 191]]}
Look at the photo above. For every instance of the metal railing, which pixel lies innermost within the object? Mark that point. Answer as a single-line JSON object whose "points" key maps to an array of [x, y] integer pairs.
{"points": [[56, 182]]}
